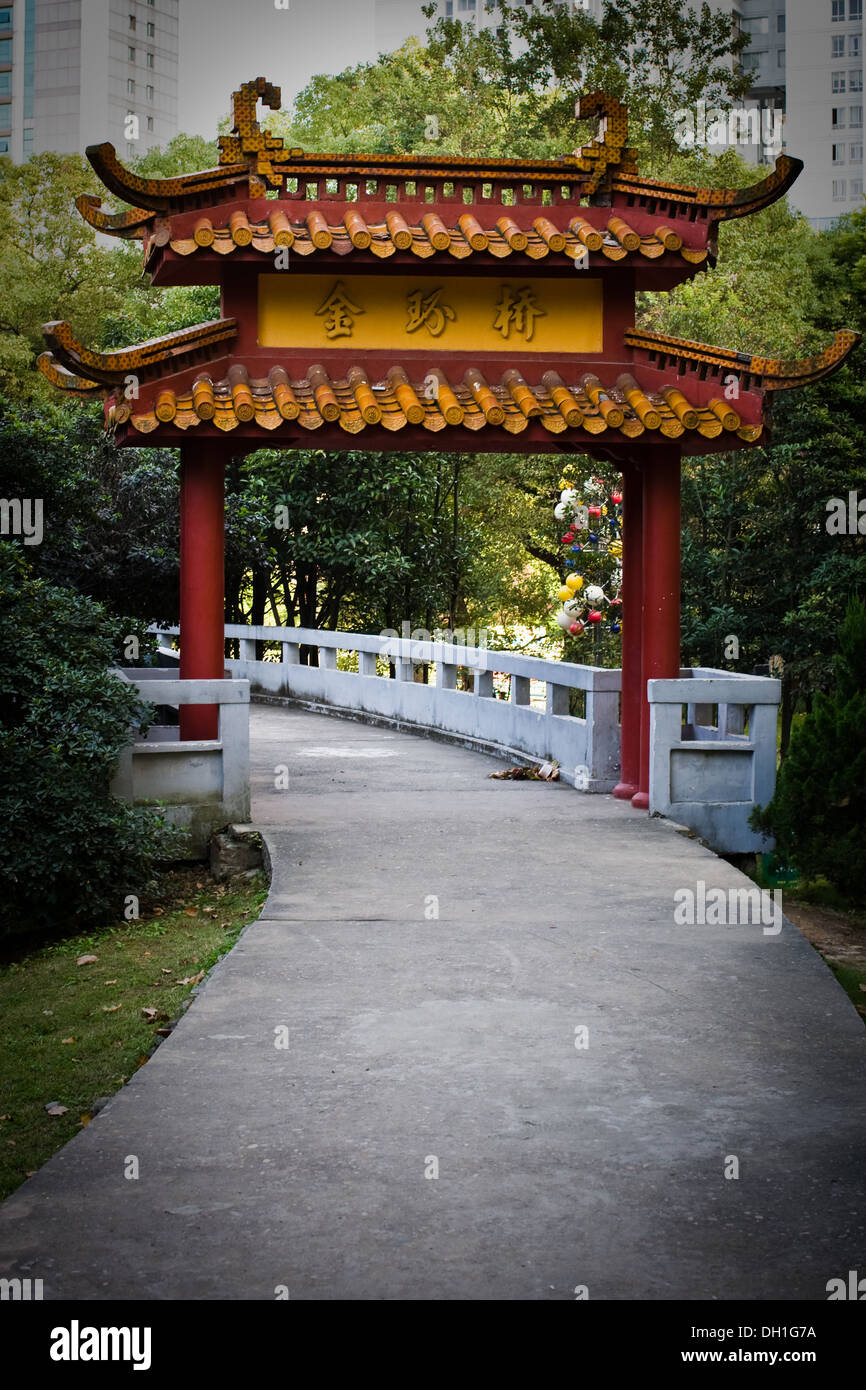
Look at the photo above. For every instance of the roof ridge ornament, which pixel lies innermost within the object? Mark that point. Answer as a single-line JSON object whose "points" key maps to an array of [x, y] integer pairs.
{"points": [[249, 144], [608, 152]]}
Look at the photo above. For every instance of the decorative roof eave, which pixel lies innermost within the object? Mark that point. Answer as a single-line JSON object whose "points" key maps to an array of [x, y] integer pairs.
{"points": [[154, 358], [153, 197], [721, 204], [67, 381], [772, 373]]}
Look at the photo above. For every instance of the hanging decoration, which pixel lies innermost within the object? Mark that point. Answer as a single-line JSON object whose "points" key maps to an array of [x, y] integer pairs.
{"points": [[591, 594]]}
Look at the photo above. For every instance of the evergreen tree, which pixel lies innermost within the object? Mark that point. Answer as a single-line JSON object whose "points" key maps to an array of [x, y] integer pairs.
{"points": [[818, 812]]}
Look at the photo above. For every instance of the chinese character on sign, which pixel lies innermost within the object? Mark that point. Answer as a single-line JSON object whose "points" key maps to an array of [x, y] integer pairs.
{"points": [[517, 309], [425, 310], [340, 312]]}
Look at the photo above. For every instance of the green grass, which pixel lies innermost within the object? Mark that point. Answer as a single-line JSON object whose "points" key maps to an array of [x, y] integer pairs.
{"points": [[852, 978], [74, 1033]]}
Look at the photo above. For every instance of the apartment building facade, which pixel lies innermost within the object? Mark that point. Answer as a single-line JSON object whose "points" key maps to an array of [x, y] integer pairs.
{"points": [[76, 72]]}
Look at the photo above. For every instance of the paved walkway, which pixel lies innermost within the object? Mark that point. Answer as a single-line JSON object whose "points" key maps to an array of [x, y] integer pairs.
{"points": [[414, 1038]]}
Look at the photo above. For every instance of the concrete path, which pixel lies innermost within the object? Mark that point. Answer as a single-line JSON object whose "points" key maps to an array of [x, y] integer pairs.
{"points": [[419, 1042]]}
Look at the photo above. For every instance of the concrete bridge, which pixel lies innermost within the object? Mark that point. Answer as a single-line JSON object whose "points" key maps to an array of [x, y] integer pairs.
{"points": [[511, 1072]]}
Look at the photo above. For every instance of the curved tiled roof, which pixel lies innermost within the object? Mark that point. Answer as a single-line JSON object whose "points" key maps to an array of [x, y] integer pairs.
{"points": [[573, 237], [621, 408]]}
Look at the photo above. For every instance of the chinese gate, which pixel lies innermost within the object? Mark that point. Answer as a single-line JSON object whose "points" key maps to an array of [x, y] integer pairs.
{"points": [[418, 302]]}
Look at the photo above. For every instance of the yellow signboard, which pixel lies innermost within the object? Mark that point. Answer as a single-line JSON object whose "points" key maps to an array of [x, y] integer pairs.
{"points": [[472, 313]]}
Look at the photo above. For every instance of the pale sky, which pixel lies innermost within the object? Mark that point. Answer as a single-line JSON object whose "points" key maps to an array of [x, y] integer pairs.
{"points": [[224, 43]]}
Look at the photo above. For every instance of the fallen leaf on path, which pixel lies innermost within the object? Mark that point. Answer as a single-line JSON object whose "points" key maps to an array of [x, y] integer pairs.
{"points": [[163, 1032], [111, 1008], [150, 1014], [192, 912], [542, 772], [87, 960], [109, 982], [55, 1108], [85, 1120], [191, 979]]}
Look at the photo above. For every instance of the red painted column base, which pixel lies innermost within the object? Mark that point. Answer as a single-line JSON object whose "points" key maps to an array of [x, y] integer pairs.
{"points": [[202, 582], [630, 703], [661, 590]]}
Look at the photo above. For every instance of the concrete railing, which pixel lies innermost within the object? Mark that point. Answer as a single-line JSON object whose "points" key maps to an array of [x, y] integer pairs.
{"points": [[710, 772], [586, 747], [201, 784]]}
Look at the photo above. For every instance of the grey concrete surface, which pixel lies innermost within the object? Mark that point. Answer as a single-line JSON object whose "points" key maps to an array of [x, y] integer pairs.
{"points": [[413, 1037]]}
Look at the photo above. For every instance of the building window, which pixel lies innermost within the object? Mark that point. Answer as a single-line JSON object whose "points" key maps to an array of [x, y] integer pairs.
{"points": [[856, 188], [855, 80], [449, 8], [132, 22], [149, 92], [150, 60], [466, 5], [130, 53], [837, 44], [5, 18], [5, 50], [780, 58], [855, 9], [838, 154], [150, 122], [838, 11], [838, 81], [130, 86], [752, 61], [855, 154], [840, 190], [151, 29], [27, 140], [4, 146], [838, 117], [5, 84], [854, 45], [780, 23], [855, 117], [759, 25]]}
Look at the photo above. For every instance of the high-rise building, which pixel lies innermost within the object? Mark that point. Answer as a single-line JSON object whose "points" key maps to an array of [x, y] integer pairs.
{"points": [[77, 72], [824, 97]]}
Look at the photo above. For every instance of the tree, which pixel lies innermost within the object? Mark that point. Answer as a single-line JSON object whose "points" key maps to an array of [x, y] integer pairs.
{"points": [[818, 812], [69, 852], [511, 90]]}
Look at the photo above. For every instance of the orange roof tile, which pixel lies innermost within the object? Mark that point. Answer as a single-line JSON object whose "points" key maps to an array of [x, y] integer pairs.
{"points": [[587, 406]]}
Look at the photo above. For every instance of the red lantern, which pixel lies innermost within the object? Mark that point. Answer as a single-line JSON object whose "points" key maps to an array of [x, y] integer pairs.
{"points": [[594, 511], [594, 616], [616, 498], [566, 540], [576, 629]]}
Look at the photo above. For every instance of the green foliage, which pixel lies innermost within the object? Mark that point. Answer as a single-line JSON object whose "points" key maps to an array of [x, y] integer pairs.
{"points": [[110, 516], [510, 89], [69, 852], [50, 266], [818, 812]]}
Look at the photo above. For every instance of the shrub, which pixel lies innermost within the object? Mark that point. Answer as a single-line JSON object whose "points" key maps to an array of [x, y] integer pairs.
{"points": [[69, 851], [818, 812]]}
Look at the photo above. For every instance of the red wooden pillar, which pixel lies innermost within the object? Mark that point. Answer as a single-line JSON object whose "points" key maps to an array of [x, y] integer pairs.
{"points": [[661, 588], [632, 627], [202, 580]]}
